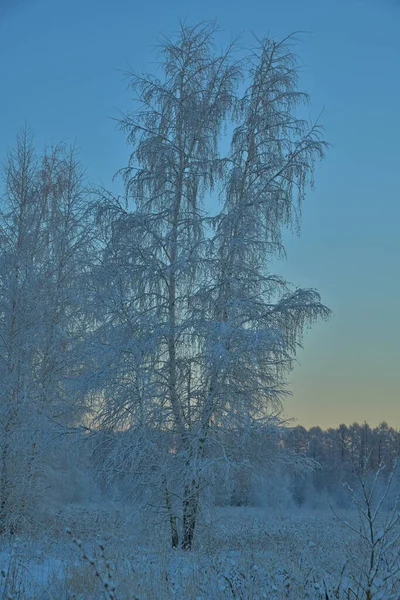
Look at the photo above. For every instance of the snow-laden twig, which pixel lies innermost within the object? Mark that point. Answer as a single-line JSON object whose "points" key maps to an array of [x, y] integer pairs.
{"points": [[102, 571]]}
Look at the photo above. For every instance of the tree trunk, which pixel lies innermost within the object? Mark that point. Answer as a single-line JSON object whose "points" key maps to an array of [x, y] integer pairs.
{"points": [[172, 516], [190, 510], [4, 490], [28, 481]]}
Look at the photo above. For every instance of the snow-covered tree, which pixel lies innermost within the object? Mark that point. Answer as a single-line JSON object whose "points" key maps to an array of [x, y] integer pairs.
{"points": [[196, 334], [44, 249]]}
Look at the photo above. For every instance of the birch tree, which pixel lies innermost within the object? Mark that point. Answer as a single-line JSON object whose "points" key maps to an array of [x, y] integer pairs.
{"points": [[18, 287], [197, 335], [44, 250]]}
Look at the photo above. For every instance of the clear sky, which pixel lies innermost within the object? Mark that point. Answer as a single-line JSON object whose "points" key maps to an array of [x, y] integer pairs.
{"points": [[59, 72]]}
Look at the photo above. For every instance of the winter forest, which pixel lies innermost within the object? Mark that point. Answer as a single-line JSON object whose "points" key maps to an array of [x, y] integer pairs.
{"points": [[146, 344]]}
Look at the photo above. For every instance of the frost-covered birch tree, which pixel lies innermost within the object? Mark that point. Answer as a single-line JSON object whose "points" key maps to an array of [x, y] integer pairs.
{"points": [[196, 334], [44, 252]]}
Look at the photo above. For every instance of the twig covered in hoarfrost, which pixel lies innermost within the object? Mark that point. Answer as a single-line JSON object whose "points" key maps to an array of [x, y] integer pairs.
{"points": [[104, 576], [375, 565]]}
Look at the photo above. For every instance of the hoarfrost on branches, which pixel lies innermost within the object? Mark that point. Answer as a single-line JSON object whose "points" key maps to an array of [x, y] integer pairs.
{"points": [[196, 334]]}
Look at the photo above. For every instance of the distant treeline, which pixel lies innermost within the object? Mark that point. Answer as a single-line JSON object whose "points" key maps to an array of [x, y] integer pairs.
{"points": [[348, 449], [343, 453], [285, 466]]}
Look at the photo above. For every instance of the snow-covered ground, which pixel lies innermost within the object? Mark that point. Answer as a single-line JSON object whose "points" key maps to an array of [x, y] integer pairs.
{"points": [[241, 552]]}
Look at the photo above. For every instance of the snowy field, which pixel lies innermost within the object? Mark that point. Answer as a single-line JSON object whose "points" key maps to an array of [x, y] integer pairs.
{"points": [[246, 553]]}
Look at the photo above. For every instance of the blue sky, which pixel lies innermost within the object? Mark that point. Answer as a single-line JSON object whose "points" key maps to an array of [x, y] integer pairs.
{"points": [[60, 65]]}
